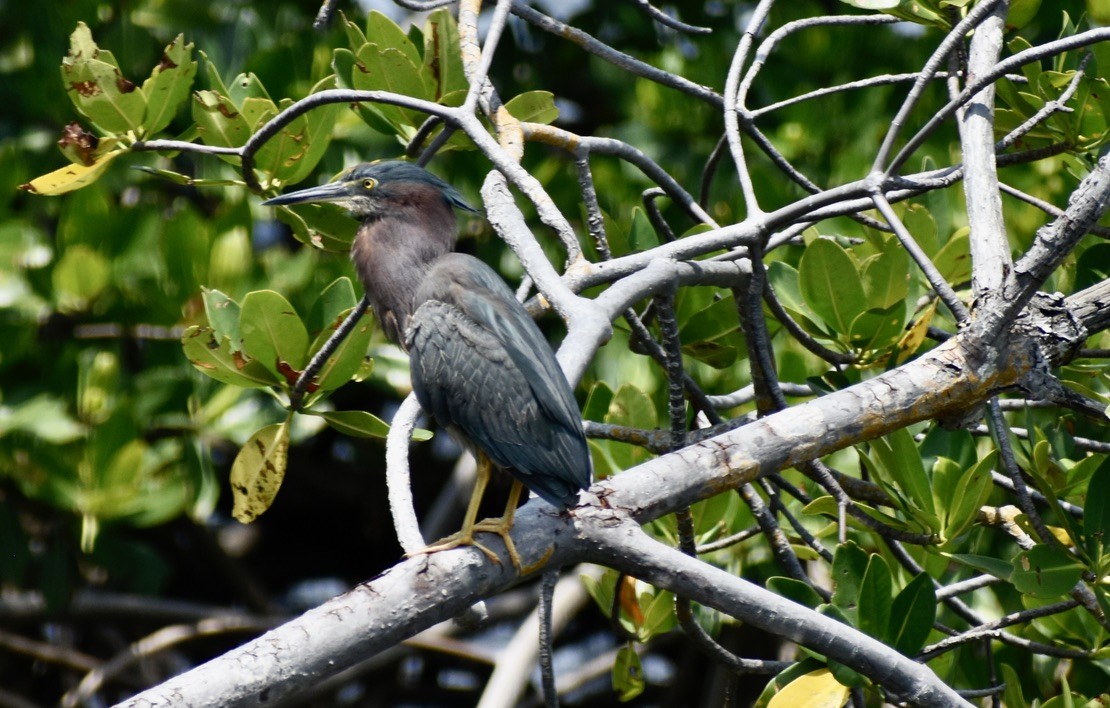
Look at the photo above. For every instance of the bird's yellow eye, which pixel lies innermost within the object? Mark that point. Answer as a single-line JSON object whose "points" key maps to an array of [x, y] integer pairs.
{"points": [[369, 183]]}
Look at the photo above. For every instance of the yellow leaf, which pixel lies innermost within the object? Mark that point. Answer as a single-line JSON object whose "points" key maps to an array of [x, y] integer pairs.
{"points": [[258, 470], [817, 689], [70, 177], [915, 335]]}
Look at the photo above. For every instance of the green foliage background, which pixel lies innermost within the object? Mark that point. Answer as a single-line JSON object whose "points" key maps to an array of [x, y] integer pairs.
{"points": [[109, 437]]}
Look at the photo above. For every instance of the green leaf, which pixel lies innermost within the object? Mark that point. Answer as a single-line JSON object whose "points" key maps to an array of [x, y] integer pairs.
{"points": [[1012, 697], [886, 276], [97, 88], [954, 260], [849, 565], [1045, 571], [323, 226], [213, 357], [877, 329], [387, 69], [910, 472], [360, 424], [258, 471], [633, 408], [355, 36], [311, 138], [442, 55], [795, 590], [712, 335], [912, 615], [597, 402], [1096, 513], [223, 317], [830, 284], [875, 598], [901, 459], [218, 120], [337, 298], [80, 277], [971, 493], [347, 357], [992, 566], [272, 332], [168, 85], [533, 107], [384, 32], [628, 674], [659, 615], [343, 64], [921, 225], [44, 416], [245, 87]]}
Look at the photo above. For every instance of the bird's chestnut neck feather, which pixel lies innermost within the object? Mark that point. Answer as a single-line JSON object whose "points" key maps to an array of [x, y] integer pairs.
{"points": [[393, 251]]}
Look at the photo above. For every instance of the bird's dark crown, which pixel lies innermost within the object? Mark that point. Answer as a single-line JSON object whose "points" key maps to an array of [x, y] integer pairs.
{"points": [[371, 188]]}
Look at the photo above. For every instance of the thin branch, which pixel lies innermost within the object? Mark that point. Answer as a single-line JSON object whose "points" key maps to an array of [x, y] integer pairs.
{"points": [[936, 280], [667, 21], [619, 59], [304, 380]]}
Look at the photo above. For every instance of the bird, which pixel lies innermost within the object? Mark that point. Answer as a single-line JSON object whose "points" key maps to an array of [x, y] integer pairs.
{"points": [[480, 365]]}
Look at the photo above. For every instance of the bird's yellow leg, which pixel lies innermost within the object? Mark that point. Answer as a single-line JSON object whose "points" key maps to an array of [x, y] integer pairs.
{"points": [[465, 537], [502, 526]]}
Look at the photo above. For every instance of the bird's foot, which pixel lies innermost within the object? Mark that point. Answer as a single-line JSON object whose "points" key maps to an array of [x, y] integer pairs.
{"points": [[453, 541], [501, 528]]}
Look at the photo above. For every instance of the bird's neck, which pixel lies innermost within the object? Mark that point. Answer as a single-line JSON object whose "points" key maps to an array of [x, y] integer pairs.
{"points": [[392, 254]]}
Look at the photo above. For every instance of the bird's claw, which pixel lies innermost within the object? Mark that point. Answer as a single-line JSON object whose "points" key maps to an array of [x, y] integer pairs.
{"points": [[455, 541]]}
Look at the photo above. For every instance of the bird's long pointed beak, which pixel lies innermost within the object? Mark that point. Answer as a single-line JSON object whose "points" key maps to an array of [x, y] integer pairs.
{"points": [[330, 192]]}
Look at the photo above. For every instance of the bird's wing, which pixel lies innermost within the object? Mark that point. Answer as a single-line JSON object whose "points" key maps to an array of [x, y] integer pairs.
{"points": [[480, 364]]}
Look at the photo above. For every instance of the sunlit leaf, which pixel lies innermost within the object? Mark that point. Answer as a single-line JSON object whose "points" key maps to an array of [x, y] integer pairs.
{"points": [[97, 88], [533, 107], [71, 177], [954, 259], [218, 120], [357, 423], [442, 56], [223, 316], [80, 276], [628, 674], [817, 689], [169, 84]]}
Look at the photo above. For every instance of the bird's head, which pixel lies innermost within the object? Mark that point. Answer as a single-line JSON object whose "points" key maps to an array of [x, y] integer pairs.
{"points": [[375, 189]]}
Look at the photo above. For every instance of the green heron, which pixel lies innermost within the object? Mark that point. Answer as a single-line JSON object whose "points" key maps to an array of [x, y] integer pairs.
{"points": [[479, 363]]}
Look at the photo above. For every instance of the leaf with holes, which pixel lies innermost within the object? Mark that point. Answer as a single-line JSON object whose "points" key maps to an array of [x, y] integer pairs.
{"points": [[1045, 571], [273, 333], [258, 471], [168, 85], [97, 87], [212, 356]]}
